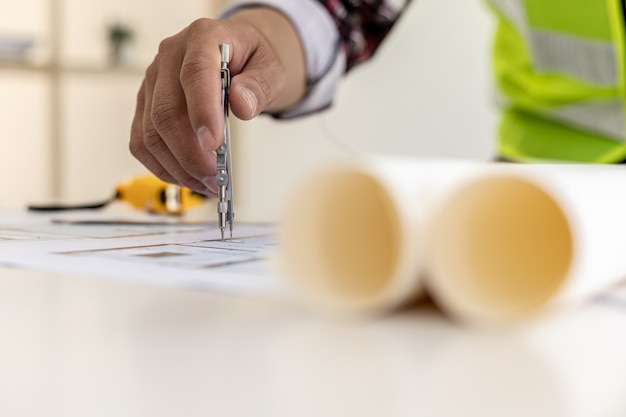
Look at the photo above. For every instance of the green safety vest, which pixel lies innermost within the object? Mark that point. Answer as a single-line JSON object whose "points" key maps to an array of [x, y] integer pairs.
{"points": [[560, 77]]}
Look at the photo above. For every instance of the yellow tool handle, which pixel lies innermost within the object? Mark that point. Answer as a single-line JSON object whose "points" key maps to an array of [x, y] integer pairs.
{"points": [[150, 193]]}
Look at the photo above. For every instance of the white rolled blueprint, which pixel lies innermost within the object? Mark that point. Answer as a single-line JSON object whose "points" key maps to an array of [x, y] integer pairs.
{"points": [[490, 242]]}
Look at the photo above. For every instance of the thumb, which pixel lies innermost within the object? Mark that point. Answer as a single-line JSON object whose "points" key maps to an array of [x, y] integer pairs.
{"points": [[255, 89]]}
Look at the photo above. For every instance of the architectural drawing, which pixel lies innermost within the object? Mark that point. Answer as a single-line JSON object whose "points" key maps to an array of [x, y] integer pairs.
{"points": [[162, 253]]}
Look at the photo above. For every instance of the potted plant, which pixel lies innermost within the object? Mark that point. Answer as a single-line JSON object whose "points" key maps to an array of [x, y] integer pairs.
{"points": [[120, 37]]}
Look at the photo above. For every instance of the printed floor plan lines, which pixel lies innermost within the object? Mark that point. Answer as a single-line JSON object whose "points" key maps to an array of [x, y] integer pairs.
{"points": [[202, 254], [179, 255]]}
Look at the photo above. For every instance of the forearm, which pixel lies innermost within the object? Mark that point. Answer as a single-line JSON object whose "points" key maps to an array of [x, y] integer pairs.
{"points": [[283, 38]]}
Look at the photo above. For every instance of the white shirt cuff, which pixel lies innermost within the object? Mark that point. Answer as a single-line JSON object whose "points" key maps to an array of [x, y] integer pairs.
{"points": [[325, 59]]}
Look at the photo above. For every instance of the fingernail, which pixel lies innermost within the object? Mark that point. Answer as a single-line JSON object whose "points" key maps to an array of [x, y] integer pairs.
{"points": [[206, 139], [250, 98]]}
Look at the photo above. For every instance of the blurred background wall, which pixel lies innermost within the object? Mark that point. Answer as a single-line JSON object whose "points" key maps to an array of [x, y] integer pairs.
{"points": [[65, 106], [65, 112]]}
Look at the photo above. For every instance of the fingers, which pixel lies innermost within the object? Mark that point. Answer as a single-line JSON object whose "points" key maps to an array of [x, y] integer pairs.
{"points": [[178, 120], [168, 133], [137, 147], [157, 123], [257, 76], [200, 80]]}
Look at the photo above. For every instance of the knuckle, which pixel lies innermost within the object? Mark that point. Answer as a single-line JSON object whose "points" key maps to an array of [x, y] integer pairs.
{"points": [[167, 45], [164, 116], [265, 89], [151, 70], [196, 165], [270, 85], [199, 26], [153, 142], [136, 147], [194, 69], [192, 165], [163, 174], [195, 66]]}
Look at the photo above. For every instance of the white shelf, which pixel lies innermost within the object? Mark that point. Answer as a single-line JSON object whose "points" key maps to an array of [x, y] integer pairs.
{"points": [[23, 66], [78, 69], [68, 124]]}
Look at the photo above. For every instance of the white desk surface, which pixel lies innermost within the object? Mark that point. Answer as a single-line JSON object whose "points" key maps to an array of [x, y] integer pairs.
{"points": [[72, 345], [79, 346]]}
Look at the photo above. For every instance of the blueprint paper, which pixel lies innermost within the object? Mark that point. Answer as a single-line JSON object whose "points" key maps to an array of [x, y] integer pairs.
{"points": [[140, 248]]}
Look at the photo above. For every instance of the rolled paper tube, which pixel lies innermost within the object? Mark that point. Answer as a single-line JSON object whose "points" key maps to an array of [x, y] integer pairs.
{"points": [[512, 241], [353, 236]]}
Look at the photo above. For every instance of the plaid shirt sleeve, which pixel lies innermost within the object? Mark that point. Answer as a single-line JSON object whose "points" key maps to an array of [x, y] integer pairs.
{"points": [[336, 35], [363, 25]]}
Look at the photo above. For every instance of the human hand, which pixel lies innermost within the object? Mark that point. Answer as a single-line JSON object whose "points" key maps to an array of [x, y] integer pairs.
{"points": [[178, 120]]}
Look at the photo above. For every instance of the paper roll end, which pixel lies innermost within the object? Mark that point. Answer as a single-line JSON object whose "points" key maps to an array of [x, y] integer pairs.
{"points": [[341, 243], [502, 248]]}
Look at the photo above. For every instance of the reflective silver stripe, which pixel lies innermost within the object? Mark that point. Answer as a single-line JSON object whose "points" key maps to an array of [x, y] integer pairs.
{"points": [[587, 60], [603, 117]]}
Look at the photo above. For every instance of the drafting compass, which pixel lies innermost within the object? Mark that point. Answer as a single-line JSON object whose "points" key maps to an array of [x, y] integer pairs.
{"points": [[224, 177]]}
